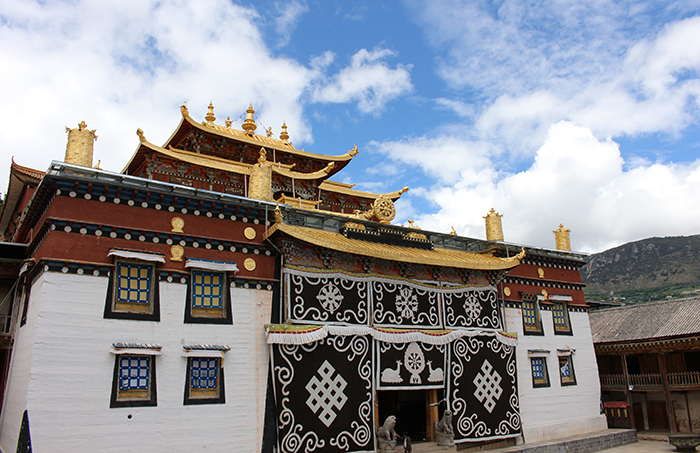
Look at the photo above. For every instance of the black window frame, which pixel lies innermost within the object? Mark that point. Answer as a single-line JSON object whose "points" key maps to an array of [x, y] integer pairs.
{"points": [[120, 398], [218, 316], [112, 308], [191, 397]]}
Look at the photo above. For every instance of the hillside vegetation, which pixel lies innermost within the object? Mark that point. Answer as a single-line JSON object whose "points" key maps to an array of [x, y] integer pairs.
{"points": [[646, 270]]}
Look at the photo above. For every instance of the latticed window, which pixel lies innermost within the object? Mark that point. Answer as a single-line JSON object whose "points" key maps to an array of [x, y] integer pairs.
{"points": [[204, 381], [566, 370], [134, 381], [133, 283], [540, 376], [560, 314], [207, 290], [531, 317], [134, 372]]}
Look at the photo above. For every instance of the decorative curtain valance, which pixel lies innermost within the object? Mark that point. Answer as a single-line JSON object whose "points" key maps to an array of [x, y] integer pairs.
{"points": [[305, 334], [143, 256], [136, 349], [221, 266]]}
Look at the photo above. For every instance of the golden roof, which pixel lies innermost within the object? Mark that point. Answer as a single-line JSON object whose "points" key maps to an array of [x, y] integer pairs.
{"points": [[436, 257], [347, 189], [255, 139]]}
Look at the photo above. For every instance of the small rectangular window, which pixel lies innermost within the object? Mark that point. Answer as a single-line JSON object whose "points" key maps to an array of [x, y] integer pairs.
{"points": [[560, 315], [540, 376], [133, 292], [204, 381], [134, 381], [566, 370], [208, 292], [532, 324]]}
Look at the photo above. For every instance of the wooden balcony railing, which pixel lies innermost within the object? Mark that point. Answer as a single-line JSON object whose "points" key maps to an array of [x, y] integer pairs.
{"points": [[690, 378]]}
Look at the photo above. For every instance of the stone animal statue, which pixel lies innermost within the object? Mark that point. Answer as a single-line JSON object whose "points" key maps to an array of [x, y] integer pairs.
{"points": [[444, 433], [386, 435]]}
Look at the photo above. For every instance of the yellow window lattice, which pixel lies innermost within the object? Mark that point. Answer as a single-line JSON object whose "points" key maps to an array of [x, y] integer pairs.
{"points": [[133, 283], [207, 289]]}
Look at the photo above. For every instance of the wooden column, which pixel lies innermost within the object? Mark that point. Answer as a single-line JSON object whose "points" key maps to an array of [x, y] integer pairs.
{"points": [[667, 392], [431, 413], [628, 393]]}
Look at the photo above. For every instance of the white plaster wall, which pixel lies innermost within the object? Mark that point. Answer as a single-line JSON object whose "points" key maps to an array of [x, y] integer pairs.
{"points": [[69, 390], [15, 401], [557, 411]]}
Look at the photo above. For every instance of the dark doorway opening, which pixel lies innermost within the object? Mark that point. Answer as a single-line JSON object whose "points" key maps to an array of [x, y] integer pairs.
{"points": [[409, 407]]}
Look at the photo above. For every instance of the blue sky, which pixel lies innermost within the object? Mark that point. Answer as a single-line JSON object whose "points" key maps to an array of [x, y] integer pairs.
{"points": [[581, 113]]}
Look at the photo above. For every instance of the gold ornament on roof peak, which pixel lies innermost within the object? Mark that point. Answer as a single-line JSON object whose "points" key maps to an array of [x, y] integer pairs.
{"points": [[183, 109], [354, 151], [249, 124], [268, 131], [562, 238], [284, 136], [142, 137], [210, 114], [453, 232], [228, 121], [494, 227]]}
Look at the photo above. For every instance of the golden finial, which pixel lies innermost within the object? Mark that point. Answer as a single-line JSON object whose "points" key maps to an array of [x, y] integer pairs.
{"points": [[249, 123], [210, 114], [268, 131], [263, 155], [183, 109], [453, 232], [354, 151], [79, 149], [494, 227], [403, 191], [562, 238], [284, 136], [142, 137], [278, 215], [228, 121], [97, 166], [413, 224]]}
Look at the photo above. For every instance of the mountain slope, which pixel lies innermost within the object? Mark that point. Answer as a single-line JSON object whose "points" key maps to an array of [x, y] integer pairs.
{"points": [[650, 269]]}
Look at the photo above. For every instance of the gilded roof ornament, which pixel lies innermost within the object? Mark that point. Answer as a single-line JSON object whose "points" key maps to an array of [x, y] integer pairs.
{"points": [[228, 121], [354, 151], [412, 224], [278, 215], [268, 132], [79, 149], [284, 136], [183, 109], [249, 124], [494, 227], [139, 132], [453, 232], [210, 114], [562, 238]]}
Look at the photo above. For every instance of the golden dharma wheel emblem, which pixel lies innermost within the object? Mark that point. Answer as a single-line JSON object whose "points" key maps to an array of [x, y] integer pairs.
{"points": [[384, 209], [249, 264], [249, 233], [540, 272], [506, 291], [176, 253], [178, 224]]}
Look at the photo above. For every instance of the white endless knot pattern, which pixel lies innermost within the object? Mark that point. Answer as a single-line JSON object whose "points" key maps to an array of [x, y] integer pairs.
{"points": [[406, 303], [330, 297], [472, 307], [488, 390], [327, 393]]}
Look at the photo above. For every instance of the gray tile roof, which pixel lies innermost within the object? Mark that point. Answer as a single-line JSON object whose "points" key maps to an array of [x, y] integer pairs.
{"points": [[662, 319]]}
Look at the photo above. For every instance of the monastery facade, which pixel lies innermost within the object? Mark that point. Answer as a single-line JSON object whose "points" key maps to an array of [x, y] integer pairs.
{"points": [[221, 292]]}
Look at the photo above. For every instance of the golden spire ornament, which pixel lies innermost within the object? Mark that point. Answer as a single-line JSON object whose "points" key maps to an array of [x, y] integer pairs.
{"points": [[284, 136], [249, 123], [210, 114]]}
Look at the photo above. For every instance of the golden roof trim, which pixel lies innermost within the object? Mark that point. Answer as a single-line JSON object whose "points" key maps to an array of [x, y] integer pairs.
{"points": [[347, 189], [270, 142], [436, 257]]}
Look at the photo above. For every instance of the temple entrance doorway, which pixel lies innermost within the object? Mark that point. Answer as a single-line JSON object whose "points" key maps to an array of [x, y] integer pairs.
{"points": [[409, 408]]}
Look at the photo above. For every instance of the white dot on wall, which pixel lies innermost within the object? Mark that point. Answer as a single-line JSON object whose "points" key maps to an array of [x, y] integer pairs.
{"points": [[98, 232], [87, 196], [267, 252], [258, 286], [102, 198], [221, 216], [158, 207], [96, 273], [184, 210], [208, 214], [67, 229], [256, 221], [64, 269], [233, 249], [72, 194], [269, 286], [170, 278], [171, 208], [256, 251], [142, 238], [80, 271], [144, 205], [245, 219], [127, 236], [208, 246], [117, 201], [130, 202], [233, 217], [169, 241], [221, 247], [196, 212], [183, 280], [156, 240], [195, 244], [244, 250], [83, 231], [183, 243], [113, 234]]}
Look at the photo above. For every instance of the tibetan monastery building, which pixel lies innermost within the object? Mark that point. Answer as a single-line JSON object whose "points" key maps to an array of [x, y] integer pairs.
{"points": [[223, 293]]}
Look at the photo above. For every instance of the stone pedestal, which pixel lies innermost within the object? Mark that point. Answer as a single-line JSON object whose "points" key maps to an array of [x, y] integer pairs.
{"points": [[445, 439]]}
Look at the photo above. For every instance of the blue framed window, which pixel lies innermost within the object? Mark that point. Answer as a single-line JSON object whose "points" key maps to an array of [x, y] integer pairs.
{"points": [[560, 314], [204, 381], [540, 376], [133, 292], [532, 324], [207, 290], [566, 370], [134, 381]]}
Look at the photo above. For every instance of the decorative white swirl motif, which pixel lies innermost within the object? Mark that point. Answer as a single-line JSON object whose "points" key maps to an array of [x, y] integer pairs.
{"points": [[488, 389], [330, 297], [326, 393], [406, 303], [468, 313]]}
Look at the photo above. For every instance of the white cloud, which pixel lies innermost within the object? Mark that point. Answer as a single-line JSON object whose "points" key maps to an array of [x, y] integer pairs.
{"points": [[124, 64], [576, 179], [288, 14], [368, 80]]}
